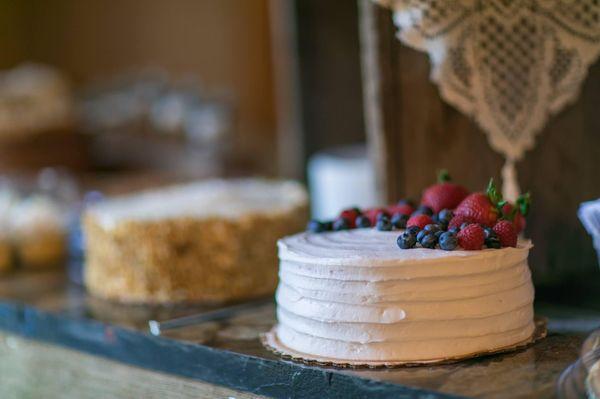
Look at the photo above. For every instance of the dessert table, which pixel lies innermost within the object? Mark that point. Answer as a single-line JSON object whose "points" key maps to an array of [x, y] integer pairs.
{"points": [[79, 346]]}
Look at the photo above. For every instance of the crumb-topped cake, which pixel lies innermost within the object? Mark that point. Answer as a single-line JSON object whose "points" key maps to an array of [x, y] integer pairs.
{"points": [[402, 285], [206, 241]]}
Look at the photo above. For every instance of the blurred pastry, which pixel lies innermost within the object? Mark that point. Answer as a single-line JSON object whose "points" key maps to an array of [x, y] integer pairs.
{"points": [[8, 199], [39, 232], [205, 241], [37, 120]]}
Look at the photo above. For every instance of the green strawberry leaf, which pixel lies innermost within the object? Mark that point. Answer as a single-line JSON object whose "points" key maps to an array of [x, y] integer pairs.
{"points": [[443, 176], [524, 203], [493, 194]]}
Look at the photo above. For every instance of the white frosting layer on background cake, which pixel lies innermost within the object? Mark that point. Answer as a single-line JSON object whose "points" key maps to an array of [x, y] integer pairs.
{"points": [[230, 199], [354, 295]]}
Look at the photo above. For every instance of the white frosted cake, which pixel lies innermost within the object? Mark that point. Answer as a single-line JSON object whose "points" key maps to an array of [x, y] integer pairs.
{"points": [[354, 296], [212, 240]]}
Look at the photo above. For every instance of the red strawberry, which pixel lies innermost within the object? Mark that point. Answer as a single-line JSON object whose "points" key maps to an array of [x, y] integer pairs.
{"points": [[420, 220], [471, 237], [443, 195], [404, 209], [458, 220], [506, 232], [481, 207], [510, 213], [372, 214], [350, 215], [518, 213]]}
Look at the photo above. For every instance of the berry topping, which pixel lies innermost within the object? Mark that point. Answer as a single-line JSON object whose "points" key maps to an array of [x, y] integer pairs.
{"points": [[493, 242], [408, 202], [424, 210], [399, 220], [421, 234], [443, 194], [445, 216], [448, 241], [406, 240], [432, 228], [458, 220], [362, 222], [428, 241], [383, 223], [400, 208], [471, 237], [372, 214], [350, 215], [517, 213], [419, 220], [314, 226], [341, 224], [454, 230], [506, 233], [481, 207], [413, 229]]}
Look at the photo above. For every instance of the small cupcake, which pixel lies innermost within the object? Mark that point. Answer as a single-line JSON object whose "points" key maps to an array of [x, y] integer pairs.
{"points": [[8, 199], [39, 233]]}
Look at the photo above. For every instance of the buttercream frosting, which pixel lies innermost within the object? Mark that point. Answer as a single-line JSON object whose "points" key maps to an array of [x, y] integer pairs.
{"points": [[221, 198], [355, 296]]}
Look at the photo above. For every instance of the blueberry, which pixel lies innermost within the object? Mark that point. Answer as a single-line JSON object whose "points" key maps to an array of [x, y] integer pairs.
{"points": [[435, 218], [445, 215], [438, 234], [383, 224], [382, 214], [399, 220], [413, 229], [421, 234], [341, 224], [448, 241], [489, 233], [406, 202], [454, 230], [363, 222], [428, 241], [425, 210], [493, 242], [432, 228], [314, 226], [328, 225], [406, 240]]}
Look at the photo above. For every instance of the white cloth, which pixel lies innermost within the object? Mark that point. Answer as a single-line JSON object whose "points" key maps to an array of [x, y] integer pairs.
{"points": [[509, 64]]}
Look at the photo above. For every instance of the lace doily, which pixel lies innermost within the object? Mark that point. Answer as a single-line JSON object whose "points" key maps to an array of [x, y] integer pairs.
{"points": [[509, 64]]}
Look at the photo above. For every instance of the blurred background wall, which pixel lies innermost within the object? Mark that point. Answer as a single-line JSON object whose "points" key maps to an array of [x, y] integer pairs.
{"points": [[224, 43]]}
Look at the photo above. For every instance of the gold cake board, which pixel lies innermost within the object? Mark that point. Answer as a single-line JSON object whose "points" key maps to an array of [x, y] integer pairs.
{"points": [[272, 343]]}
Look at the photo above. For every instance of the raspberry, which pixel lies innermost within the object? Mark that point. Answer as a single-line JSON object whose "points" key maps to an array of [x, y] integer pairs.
{"points": [[506, 232], [419, 220], [350, 215], [471, 237], [458, 220]]}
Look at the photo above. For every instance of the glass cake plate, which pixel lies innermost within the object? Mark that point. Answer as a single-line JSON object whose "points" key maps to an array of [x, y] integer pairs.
{"points": [[576, 381]]}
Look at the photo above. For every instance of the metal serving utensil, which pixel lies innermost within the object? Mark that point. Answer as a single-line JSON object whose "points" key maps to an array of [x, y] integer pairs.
{"points": [[157, 327]]}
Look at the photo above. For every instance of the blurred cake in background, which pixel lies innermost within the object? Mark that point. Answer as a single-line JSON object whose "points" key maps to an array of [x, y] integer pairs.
{"points": [[212, 240], [37, 120]]}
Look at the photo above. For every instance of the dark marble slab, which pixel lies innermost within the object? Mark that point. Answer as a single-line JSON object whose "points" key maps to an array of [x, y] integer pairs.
{"points": [[227, 352]]}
